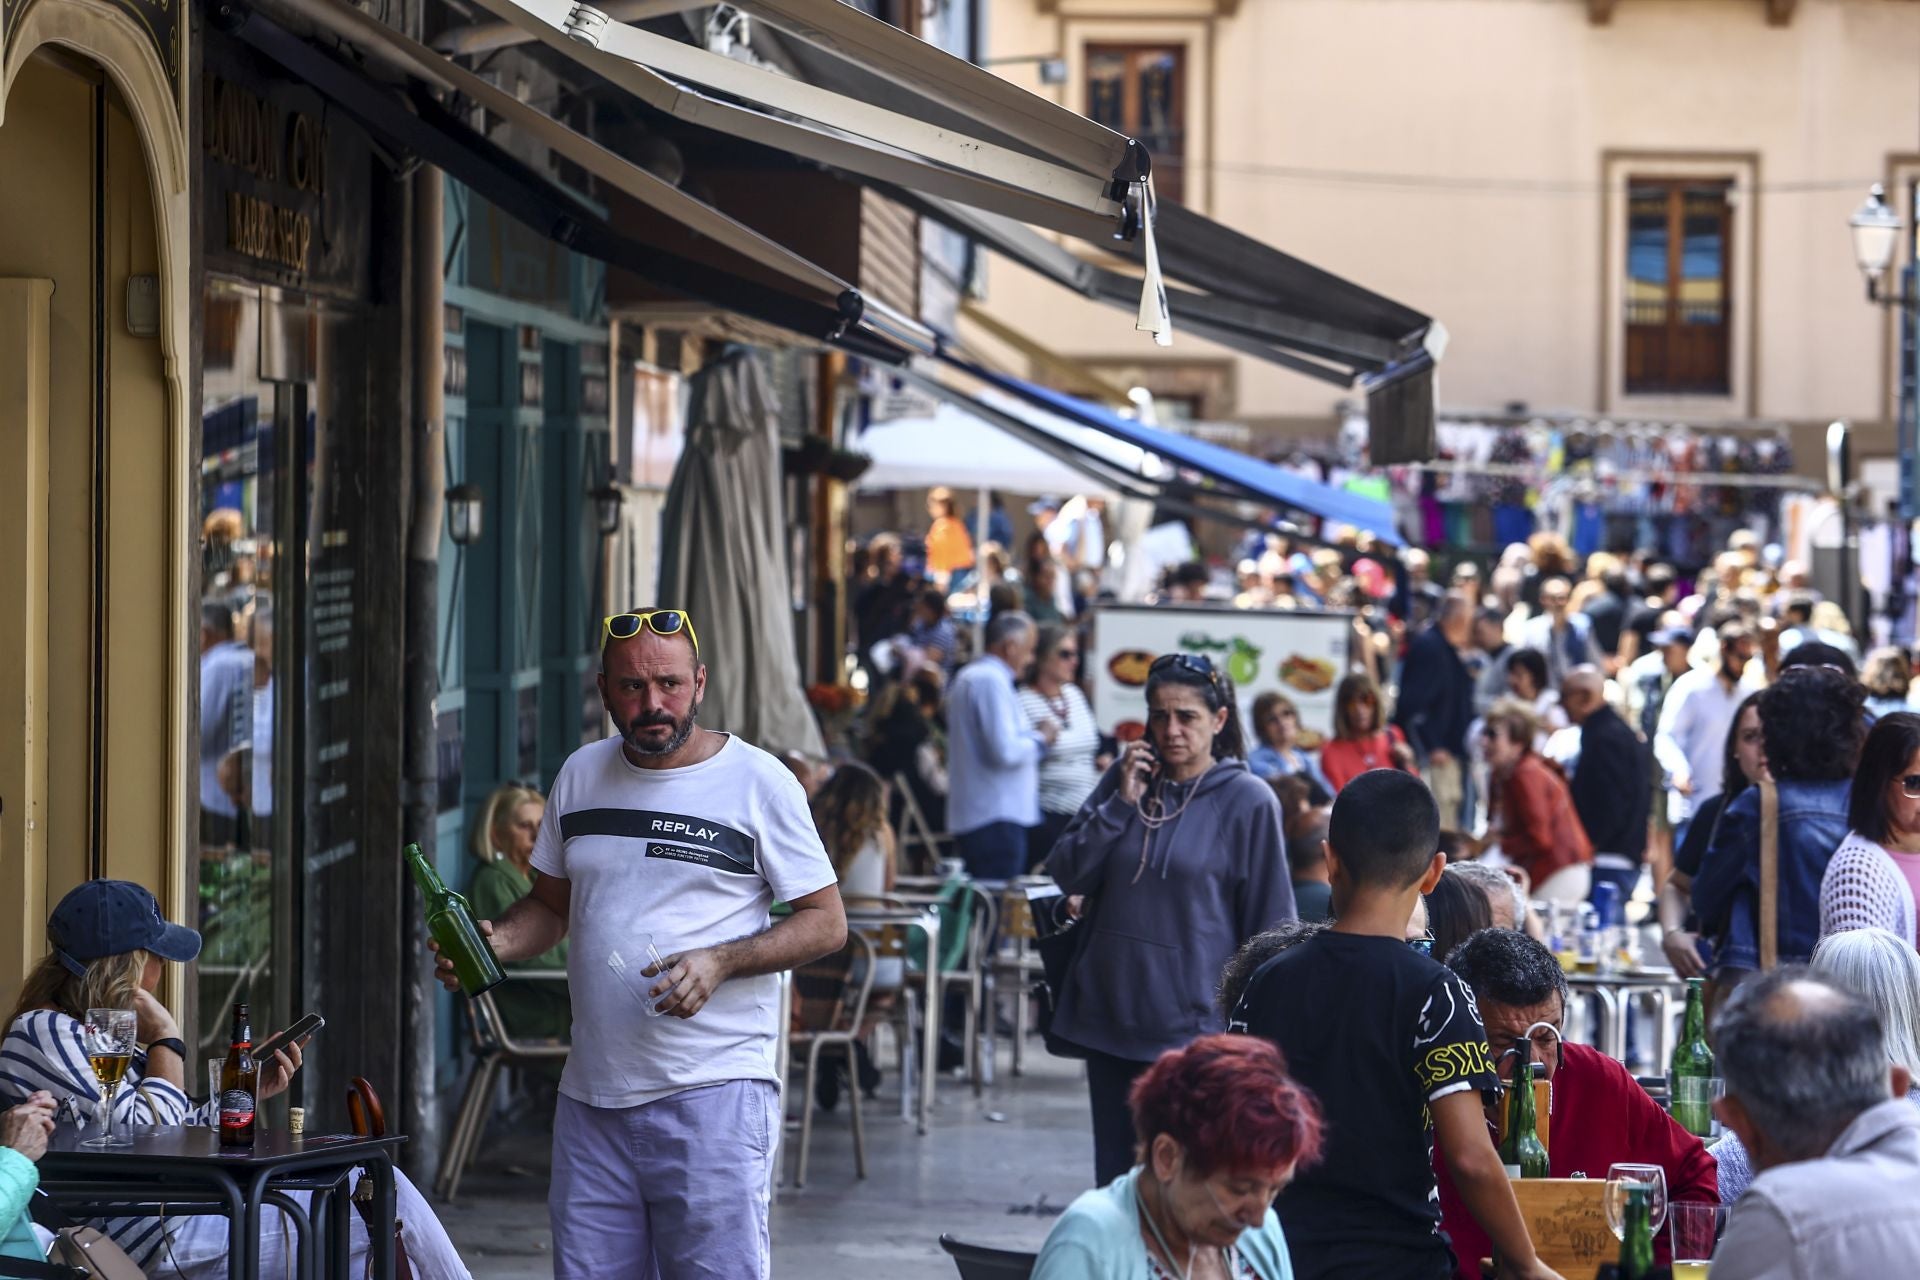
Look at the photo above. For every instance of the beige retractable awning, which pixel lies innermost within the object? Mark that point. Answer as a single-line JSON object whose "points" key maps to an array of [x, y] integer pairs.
{"points": [[410, 58], [1024, 156]]}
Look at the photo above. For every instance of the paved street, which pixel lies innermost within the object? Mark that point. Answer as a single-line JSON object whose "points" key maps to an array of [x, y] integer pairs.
{"points": [[995, 1171]]}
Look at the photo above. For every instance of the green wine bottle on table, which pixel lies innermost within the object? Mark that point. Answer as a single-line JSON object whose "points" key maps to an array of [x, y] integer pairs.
{"points": [[1636, 1245], [1522, 1151], [1690, 1071], [450, 921]]}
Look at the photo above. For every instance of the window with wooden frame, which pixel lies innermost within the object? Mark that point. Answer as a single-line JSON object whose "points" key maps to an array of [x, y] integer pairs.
{"points": [[1140, 90], [1678, 296]]}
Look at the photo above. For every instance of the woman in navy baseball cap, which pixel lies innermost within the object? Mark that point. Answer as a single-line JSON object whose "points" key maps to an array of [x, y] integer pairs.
{"points": [[108, 946]]}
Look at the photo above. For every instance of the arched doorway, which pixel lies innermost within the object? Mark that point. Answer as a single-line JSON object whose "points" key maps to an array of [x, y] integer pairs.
{"points": [[94, 571]]}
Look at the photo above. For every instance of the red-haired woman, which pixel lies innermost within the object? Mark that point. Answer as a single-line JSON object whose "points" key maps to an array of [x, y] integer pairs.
{"points": [[1221, 1129]]}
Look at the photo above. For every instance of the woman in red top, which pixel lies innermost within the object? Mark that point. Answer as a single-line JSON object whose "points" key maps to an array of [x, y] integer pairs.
{"points": [[1533, 815], [1362, 738]]}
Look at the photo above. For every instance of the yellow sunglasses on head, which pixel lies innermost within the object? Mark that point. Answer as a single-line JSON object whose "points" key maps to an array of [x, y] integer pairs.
{"points": [[662, 622]]}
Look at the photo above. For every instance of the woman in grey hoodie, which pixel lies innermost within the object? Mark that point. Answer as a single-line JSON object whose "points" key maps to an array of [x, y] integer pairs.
{"points": [[1180, 858]]}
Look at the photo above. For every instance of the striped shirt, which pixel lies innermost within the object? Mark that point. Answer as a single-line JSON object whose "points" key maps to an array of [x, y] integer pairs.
{"points": [[46, 1049], [1067, 772]]}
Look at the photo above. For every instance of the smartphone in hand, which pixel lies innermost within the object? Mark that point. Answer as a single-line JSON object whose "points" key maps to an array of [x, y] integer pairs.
{"points": [[299, 1033]]}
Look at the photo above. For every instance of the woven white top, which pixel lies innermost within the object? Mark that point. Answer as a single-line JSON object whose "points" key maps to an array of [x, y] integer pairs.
{"points": [[1863, 889]]}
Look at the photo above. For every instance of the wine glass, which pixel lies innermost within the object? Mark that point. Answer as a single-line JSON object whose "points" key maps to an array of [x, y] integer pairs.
{"points": [[109, 1035], [1619, 1178]]}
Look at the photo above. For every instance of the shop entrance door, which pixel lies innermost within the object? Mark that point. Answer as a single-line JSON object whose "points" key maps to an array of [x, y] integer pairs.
{"points": [[298, 727]]}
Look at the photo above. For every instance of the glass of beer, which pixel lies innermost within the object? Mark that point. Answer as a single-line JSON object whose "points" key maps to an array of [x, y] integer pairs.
{"points": [[1695, 1227], [109, 1035]]}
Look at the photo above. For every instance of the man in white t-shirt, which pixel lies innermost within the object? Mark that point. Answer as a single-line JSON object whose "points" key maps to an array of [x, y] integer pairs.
{"points": [[663, 1134]]}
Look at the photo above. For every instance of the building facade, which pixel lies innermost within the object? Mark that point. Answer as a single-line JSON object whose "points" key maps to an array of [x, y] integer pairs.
{"points": [[1634, 210]]}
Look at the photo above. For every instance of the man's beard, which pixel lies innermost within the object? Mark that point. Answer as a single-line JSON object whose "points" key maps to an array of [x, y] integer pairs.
{"points": [[682, 730]]}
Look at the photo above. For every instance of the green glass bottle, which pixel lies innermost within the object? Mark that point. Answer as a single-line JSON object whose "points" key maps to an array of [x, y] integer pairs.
{"points": [[450, 921], [1521, 1151], [1636, 1246], [1691, 1069]]}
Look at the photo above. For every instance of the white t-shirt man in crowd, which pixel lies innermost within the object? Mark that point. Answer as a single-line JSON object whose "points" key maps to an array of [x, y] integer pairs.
{"points": [[663, 1134]]}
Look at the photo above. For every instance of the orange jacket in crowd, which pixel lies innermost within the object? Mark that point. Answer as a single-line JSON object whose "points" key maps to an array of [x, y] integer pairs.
{"points": [[949, 549], [1539, 828]]}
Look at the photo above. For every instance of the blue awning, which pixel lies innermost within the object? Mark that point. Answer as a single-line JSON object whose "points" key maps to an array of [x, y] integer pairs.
{"points": [[1239, 475]]}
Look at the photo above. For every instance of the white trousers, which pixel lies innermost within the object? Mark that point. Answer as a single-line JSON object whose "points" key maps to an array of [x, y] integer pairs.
{"points": [[198, 1245]]}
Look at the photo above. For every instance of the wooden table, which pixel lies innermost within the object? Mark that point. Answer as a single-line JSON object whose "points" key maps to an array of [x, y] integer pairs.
{"points": [[926, 919], [185, 1169]]}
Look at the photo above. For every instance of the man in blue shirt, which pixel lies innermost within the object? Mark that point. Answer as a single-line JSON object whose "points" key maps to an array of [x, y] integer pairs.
{"points": [[993, 754]]}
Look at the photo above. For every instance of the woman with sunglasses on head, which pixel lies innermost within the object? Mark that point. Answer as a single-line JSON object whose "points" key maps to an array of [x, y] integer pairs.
{"points": [[1873, 881], [1068, 773], [1219, 1129], [1180, 857], [1362, 738]]}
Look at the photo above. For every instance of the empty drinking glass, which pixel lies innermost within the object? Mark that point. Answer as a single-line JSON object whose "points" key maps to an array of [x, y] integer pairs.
{"points": [[1619, 1177]]}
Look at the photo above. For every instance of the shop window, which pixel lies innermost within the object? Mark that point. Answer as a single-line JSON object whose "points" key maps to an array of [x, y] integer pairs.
{"points": [[1140, 90], [1679, 315]]}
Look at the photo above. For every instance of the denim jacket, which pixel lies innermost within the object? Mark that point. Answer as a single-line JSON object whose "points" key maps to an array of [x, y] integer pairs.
{"points": [[1726, 893]]}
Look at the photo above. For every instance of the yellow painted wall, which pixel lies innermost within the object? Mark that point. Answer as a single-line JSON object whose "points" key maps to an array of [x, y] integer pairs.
{"points": [[1514, 103], [46, 229], [48, 232], [142, 546]]}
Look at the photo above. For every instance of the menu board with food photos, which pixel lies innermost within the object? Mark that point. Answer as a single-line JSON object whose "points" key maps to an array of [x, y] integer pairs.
{"points": [[1299, 653]]}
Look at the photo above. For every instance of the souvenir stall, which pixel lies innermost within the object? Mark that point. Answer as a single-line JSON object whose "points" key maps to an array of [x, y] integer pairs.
{"points": [[1676, 489]]}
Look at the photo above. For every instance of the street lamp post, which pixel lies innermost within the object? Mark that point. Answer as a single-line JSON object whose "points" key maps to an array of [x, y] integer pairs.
{"points": [[1876, 235]]}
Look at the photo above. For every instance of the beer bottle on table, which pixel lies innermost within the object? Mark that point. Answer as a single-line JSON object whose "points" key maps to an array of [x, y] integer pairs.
{"points": [[239, 1085], [450, 921], [1636, 1246], [1689, 1094], [1521, 1151]]}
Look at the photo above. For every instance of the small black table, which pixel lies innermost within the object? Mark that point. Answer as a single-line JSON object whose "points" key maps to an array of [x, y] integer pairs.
{"points": [[185, 1168]]}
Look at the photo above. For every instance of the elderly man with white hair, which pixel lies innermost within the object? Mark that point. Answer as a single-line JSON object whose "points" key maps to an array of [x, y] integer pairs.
{"points": [[993, 754], [1885, 972], [1824, 1114]]}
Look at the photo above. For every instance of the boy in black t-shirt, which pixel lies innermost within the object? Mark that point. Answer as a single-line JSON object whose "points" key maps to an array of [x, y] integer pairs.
{"points": [[1392, 1046]]}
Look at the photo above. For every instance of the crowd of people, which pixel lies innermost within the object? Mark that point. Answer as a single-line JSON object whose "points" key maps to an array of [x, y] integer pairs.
{"points": [[1548, 736], [1301, 965]]}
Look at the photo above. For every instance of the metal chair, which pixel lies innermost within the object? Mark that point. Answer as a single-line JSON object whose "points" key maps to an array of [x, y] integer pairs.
{"points": [[830, 1003], [980, 1262], [973, 977], [1017, 963], [494, 1048], [914, 828], [892, 943]]}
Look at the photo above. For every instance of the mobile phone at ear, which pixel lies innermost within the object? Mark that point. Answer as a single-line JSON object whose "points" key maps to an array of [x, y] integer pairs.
{"points": [[299, 1032]]}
